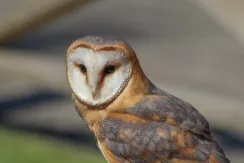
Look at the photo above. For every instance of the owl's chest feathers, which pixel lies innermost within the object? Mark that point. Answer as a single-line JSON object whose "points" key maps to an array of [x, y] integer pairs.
{"points": [[93, 117], [90, 116]]}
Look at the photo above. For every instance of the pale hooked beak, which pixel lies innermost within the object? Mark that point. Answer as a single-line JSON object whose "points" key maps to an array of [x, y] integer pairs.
{"points": [[94, 90], [94, 78], [93, 82]]}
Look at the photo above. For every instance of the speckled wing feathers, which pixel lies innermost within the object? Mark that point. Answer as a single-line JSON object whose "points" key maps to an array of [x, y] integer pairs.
{"points": [[154, 141], [162, 108], [167, 130], [184, 114]]}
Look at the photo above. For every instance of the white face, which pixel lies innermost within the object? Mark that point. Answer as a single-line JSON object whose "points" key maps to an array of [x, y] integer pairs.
{"points": [[97, 77]]}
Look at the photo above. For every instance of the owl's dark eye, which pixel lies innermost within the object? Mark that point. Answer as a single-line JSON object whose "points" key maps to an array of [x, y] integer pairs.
{"points": [[82, 68], [109, 70]]}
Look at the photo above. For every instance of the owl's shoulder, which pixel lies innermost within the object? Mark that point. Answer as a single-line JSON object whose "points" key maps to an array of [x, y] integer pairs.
{"points": [[161, 106]]}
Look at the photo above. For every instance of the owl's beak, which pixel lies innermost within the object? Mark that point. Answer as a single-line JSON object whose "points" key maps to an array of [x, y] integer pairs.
{"points": [[94, 86], [94, 79], [94, 91]]}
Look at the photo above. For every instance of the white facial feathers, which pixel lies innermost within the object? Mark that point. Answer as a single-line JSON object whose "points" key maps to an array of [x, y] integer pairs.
{"points": [[102, 77]]}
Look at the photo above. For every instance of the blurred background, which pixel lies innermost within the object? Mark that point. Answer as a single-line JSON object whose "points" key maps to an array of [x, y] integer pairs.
{"points": [[193, 49]]}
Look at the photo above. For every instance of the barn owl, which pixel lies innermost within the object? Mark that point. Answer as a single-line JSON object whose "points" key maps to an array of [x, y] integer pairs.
{"points": [[133, 120]]}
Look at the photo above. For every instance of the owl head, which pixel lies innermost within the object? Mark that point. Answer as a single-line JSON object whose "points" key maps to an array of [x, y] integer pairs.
{"points": [[99, 68]]}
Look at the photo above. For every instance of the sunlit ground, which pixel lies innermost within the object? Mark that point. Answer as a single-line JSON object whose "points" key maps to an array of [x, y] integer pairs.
{"points": [[23, 148]]}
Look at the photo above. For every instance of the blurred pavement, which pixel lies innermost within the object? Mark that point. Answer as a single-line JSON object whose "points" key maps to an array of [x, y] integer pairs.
{"points": [[181, 48], [228, 14]]}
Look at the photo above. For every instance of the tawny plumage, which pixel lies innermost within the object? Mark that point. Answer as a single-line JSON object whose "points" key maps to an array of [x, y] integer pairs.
{"points": [[132, 119]]}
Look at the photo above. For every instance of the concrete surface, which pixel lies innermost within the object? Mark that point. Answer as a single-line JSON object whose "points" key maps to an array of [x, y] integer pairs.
{"points": [[19, 17], [227, 13], [180, 47]]}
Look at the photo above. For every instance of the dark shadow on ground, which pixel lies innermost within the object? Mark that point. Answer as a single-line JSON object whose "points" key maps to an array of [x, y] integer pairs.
{"points": [[24, 101], [30, 101], [228, 139]]}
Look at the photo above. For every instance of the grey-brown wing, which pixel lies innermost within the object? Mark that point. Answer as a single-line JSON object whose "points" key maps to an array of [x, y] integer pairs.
{"points": [[160, 105], [163, 108], [151, 141]]}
